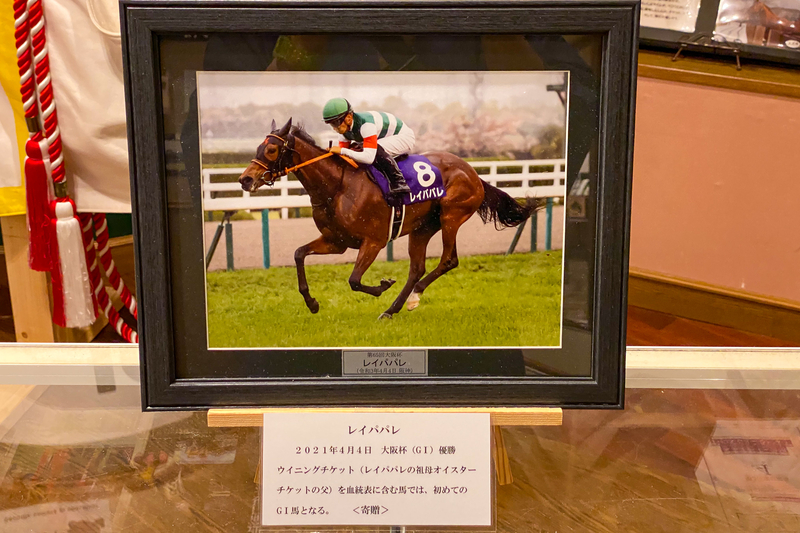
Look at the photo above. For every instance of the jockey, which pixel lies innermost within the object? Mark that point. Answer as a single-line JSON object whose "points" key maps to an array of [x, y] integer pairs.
{"points": [[382, 135]]}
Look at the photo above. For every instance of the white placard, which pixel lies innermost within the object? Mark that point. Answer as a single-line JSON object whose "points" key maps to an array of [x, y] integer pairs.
{"points": [[678, 15], [405, 469]]}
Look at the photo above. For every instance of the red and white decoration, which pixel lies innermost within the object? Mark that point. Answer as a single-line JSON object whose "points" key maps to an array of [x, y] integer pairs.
{"points": [[62, 241]]}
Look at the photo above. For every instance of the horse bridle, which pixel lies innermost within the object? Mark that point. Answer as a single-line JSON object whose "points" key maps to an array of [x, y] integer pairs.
{"points": [[284, 149], [283, 169]]}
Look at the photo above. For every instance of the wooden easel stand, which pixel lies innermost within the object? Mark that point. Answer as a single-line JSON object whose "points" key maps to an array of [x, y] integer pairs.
{"points": [[500, 416]]}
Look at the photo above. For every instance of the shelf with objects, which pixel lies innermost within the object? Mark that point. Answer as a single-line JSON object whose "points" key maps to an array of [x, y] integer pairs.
{"points": [[736, 30]]}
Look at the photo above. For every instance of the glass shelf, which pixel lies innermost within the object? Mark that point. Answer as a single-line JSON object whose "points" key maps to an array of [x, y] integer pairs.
{"points": [[674, 460]]}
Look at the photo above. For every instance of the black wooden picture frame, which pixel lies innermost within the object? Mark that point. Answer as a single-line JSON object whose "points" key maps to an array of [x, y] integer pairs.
{"points": [[308, 377]]}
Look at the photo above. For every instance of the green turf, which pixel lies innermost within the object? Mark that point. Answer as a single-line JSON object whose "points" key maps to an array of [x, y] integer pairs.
{"points": [[489, 300]]}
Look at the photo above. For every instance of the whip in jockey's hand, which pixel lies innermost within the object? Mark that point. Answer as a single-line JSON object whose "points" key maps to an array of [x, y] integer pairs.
{"points": [[383, 135]]}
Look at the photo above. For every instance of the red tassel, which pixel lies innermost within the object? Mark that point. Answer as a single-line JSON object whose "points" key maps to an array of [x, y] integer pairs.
{"points": [[37, 194]]}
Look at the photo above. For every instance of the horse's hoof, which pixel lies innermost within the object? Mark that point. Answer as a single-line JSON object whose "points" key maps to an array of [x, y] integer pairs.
{"points": [[386, 283], [413, 301], [385, 316], [313, 306]]}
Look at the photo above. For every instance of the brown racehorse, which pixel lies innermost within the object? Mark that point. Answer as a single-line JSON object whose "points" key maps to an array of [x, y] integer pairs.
{"points": [[350, 211]]}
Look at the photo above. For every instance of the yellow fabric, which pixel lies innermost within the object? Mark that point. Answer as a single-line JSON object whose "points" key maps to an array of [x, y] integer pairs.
{"points": [[12, 199]]}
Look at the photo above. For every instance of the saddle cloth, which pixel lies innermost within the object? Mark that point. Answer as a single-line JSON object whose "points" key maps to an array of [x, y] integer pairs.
{"points": [[423, 178]]}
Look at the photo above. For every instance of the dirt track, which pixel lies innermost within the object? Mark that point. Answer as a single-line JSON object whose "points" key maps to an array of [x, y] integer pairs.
{"points": [[287, 235]]}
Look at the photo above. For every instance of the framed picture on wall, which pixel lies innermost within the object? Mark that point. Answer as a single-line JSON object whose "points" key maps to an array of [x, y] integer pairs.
{"points": [[381, 203], [762, 30]]}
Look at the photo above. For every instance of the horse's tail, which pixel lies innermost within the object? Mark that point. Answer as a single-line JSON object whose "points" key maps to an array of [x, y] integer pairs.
{"points": [[502, 209]]}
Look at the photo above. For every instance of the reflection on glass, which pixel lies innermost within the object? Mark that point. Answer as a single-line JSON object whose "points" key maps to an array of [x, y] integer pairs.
{"points": [[76, 460], [566, 221]]}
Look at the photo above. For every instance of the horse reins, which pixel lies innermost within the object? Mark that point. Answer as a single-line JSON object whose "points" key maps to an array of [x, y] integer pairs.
{"points": [[286, 171], [295, 167]]}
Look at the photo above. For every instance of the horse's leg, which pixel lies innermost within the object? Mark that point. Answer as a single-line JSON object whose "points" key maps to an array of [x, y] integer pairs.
{"points": [[366, 256], [451, 222], [318, 246], [417, 244]]}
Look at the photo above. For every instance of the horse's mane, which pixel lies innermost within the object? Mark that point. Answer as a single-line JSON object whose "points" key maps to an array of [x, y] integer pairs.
{"points": [[299, 131]]}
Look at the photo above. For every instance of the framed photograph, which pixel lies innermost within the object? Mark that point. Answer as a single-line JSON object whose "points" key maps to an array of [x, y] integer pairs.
{"points": [[762, 30], [769, 23], [381, 203]]}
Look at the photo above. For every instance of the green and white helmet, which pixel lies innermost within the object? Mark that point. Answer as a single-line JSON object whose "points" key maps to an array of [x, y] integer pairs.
{"points": [[335, 108]]}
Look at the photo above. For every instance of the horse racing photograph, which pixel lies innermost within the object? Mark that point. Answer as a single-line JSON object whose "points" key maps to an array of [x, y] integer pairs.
{"points": [[383, 209]]}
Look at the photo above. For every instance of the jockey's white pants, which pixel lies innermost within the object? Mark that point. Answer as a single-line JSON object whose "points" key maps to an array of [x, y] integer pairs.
{"points": [[401, 143]]}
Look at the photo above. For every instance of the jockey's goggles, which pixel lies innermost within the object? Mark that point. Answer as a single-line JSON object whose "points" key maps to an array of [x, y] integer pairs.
{"points": [[335, 122]]}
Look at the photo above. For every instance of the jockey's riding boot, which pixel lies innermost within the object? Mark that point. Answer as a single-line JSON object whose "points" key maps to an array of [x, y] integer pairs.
{"points": [[386, 164]]}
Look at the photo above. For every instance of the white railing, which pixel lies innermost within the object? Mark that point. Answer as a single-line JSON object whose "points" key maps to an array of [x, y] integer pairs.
{"points": [[539, 178], [533, 178]]}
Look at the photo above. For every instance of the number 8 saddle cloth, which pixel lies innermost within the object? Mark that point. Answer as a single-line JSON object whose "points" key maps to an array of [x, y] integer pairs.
{"points": [[423, 178]]}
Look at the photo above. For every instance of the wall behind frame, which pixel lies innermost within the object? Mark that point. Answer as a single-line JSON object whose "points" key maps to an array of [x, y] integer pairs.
{"points": [[716, 192]]}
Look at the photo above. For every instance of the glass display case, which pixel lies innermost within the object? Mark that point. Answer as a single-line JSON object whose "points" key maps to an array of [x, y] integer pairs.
{"points": [[86, 459]]}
